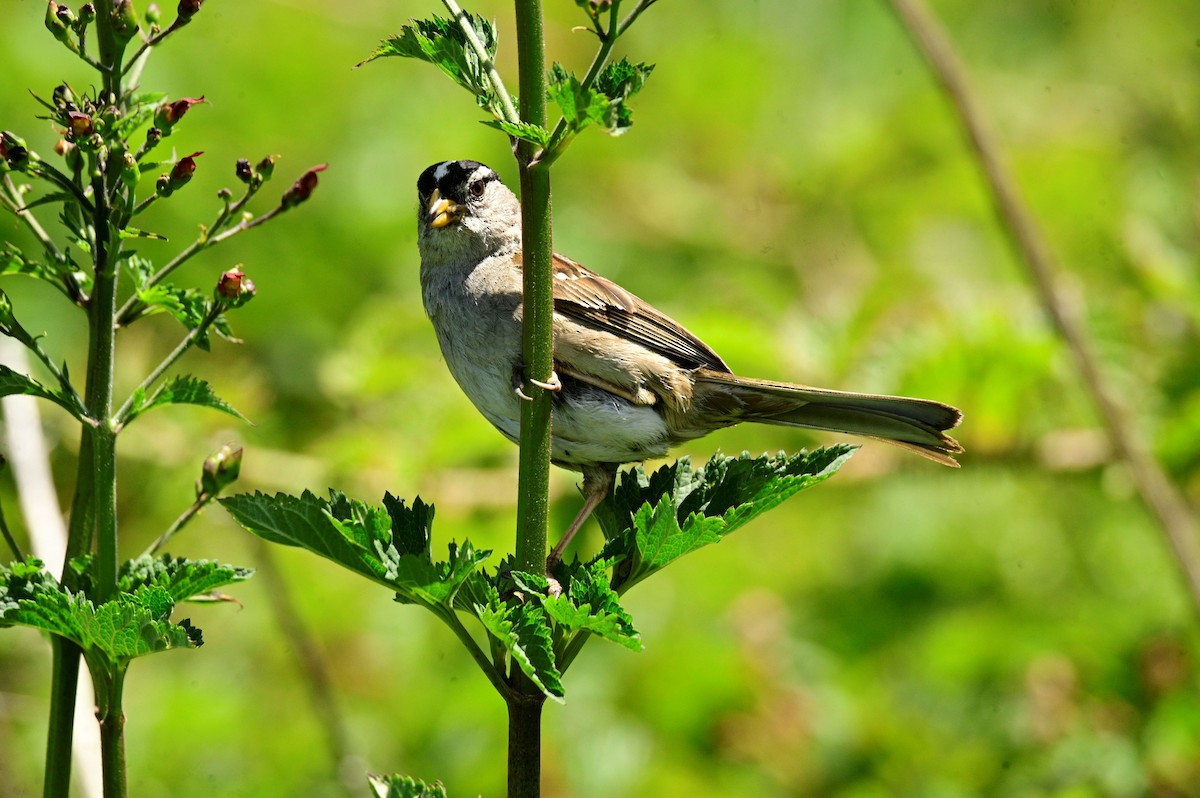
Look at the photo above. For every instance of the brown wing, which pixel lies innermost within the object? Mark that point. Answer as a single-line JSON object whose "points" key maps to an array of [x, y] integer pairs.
{"points": [[603, 305]]}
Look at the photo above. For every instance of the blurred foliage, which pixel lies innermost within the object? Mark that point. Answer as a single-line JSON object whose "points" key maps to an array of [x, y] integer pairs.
{"points": [[796, 192]]}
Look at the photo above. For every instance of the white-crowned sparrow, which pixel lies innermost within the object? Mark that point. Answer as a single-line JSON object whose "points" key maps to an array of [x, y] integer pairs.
{"points": [[631, 381]]}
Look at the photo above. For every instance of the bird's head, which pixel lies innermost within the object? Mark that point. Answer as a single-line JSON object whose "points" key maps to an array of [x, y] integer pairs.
{"points": [[465, 209]]}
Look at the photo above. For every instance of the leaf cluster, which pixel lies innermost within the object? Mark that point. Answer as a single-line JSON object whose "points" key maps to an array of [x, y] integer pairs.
{"points": [[535, 623], [465, 49], [133, 623]]}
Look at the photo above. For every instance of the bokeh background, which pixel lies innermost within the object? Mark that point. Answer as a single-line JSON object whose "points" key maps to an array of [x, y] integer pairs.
{"points": [[796, 191]]}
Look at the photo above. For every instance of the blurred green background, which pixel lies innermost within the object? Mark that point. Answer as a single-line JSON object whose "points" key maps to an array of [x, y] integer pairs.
{"points": [[795, 190]]}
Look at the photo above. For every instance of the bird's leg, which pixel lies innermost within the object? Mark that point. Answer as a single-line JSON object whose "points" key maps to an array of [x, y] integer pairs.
{"points": [[597, 481], [519, 378]]}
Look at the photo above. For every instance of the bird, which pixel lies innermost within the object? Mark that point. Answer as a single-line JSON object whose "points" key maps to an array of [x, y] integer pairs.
{"points": [[629, 381]]}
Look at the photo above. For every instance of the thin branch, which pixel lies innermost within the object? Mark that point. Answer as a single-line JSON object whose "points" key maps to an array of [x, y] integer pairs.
{"points": [[205, 241], [8, 537], [494, 675], [12, 199], [460, 16], [178, 524], [1176, 518], [122, 414]]}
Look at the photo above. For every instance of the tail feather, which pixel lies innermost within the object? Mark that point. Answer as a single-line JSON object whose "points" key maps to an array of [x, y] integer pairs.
{"points": [[918, 425]]}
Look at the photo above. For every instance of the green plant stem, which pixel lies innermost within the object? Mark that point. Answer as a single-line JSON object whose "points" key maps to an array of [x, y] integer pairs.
{"points": [[8, 537], [608, 40], [206, 240], [525, 748], [109, 691], [506, 103], [525, 709], [61, 737], [99, 401], [178, 524], [486, 665], [15, 202], [122, 415]]}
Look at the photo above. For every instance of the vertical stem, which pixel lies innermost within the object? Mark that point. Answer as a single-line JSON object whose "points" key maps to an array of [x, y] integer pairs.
{"points": [[524, 748], [532, 501], [525, 708], [100, 399], [112, 731], [60, 737]]}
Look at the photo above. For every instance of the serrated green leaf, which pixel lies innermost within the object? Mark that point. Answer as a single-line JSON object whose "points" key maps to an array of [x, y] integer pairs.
{"points": [[12, 382], [130, 625], [618, 82], [179, 577], [522, 130], [395, 786], [183, 389], [524, 632], [587, 605], [651, 521], [604, 104], [443, 43], [389, 544], [187, 305], [13, 261]]}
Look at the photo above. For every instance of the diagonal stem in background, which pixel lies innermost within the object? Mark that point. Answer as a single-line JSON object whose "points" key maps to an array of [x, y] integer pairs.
{"points": [[1165, 501]]}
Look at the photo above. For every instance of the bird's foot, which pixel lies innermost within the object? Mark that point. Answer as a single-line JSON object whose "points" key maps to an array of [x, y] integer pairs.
{"points": [[554, 384]]}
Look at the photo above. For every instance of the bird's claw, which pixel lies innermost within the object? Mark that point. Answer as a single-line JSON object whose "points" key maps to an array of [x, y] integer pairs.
{"points": [[553, 384]]}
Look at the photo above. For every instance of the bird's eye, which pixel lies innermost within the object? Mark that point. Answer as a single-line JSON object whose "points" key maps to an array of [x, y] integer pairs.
{"points": [[476, 189]]}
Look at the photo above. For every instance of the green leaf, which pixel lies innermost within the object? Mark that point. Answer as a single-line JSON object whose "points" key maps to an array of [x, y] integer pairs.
{"points": [[588, 603], [651, 521], [618, 82], [522, 130], [186, 390], [12, 382], [388, 544], [443, 43], [524, 631], [13, 261], [130, 625], [396, 786], [10, 326], [606, 103], [188, 305], [179, 577]]}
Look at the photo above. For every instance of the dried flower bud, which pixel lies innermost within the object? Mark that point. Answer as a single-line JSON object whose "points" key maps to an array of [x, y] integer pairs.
{"points": [[188, 9], [243, 170], [221, 470], [65, 15], [183, 170], [162, 186], [235, 288], [79, 125], [224, 194], [168, 114], [303, 188], [153, 136], [87, 13], [266, 167]]}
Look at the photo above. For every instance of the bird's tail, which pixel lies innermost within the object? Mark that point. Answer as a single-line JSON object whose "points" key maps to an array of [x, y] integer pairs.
{"points": [[918, 425]]}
